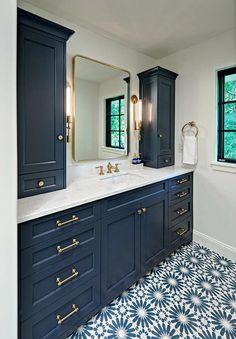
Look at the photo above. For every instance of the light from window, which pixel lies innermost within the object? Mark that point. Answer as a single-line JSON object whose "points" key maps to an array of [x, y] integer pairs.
{"points": [[115, 122], [227, 115]]}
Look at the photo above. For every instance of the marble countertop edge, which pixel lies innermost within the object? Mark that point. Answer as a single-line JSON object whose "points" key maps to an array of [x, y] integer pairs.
{"points": [[85, 190]]}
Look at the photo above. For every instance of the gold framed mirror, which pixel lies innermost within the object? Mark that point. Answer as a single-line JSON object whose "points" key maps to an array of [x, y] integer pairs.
{"points": [[100, 123]]}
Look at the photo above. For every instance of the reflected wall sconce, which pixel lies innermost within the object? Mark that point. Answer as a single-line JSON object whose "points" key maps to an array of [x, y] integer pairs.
{"points": [[68, 112], [137, 114]]}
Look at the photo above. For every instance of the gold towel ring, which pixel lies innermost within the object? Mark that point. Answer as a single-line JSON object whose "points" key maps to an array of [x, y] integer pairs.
{"points": [[191, 124]]}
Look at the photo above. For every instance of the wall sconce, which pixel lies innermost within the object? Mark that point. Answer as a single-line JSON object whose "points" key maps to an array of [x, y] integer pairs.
{"points": [[137, 114], [68, 111]]}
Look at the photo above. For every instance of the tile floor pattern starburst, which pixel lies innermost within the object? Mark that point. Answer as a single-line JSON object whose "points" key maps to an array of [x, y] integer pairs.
{"points": [[191, 294]]}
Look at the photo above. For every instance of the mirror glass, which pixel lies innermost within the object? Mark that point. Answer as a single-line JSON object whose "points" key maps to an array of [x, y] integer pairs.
{"points": [[101, 110]]}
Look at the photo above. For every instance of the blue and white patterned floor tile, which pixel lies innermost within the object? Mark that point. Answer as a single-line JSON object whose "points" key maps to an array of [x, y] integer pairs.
{"points": [[192, 294]]}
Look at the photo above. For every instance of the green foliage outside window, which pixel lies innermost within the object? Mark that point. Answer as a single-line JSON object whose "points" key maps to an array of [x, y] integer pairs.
{"points": [[230, 116]]}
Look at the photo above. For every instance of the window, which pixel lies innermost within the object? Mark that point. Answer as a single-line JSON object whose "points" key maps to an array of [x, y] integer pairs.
{"points": [[227, 115], [115, 122]]}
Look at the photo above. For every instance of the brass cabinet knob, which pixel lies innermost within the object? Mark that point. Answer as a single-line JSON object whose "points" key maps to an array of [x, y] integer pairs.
{"points": [[60, 137], [160, 135], [139, 211], [144, 210], [41, 183], [166, 160]]}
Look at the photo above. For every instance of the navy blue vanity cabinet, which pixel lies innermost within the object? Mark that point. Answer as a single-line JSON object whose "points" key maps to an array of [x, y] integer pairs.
{"points": [[154, 230], [41, 68], [157, 91], [74, 262]]}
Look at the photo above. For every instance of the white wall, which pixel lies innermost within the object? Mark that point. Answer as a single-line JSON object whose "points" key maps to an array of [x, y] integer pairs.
{"points": [[215, 192], [8, 248], [87, 119], [103, 49]]}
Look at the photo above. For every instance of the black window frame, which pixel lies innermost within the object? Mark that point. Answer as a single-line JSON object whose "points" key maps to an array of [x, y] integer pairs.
{"points": [[108, 122], [221, 103]]}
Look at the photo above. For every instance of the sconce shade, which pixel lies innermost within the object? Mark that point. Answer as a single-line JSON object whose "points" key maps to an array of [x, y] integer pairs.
{"points": [[68, 98]]}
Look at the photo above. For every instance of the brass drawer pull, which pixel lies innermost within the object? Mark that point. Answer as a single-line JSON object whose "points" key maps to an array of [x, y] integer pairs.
{"points": [[74, 274], [144, 210], [74, 218], [182, 181], [181, 231], [61, 320], [182, 194], [181, 211], [74, 244]]}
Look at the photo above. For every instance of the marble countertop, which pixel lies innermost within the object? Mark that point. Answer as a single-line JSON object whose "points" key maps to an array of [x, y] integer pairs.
{"points": [[87, 189]]}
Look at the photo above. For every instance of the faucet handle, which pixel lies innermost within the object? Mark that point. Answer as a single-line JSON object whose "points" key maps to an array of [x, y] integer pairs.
{"points": [[117, 168], [101, 172]]}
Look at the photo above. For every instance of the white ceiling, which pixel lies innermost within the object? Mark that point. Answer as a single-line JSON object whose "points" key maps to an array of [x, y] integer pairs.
{"points": [[154, 27]]}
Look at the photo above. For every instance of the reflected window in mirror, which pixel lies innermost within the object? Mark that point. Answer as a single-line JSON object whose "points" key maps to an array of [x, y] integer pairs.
{"points": [[115, 122]]}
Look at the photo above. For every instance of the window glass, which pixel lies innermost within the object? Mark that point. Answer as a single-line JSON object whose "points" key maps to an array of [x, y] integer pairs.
{"points": [[115, 122], [227, 115]]}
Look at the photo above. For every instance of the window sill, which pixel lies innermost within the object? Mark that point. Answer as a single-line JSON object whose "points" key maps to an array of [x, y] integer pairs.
{"points": [[223, 167], [113, 150]]}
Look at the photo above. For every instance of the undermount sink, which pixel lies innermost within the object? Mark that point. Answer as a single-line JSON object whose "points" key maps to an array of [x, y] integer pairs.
{"points": [[120, 178]]}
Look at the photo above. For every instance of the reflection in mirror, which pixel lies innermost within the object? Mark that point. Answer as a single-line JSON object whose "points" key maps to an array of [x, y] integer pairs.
{"points": [[101, 110]]}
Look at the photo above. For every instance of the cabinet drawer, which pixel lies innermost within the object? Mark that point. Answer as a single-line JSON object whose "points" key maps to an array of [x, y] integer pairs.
{"points": [[180, 181], [180, 194], [180, 211], [64, 248], [45, 287], [180, 232], [42, 229], [114, 203], [165, 160], [56, 319], [37, 183]]}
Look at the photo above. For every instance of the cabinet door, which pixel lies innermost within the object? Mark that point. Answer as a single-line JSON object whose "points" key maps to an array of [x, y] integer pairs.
{"points": [[154, 229], [149, 142], [41, 82], [165, 115], [120, 251]]}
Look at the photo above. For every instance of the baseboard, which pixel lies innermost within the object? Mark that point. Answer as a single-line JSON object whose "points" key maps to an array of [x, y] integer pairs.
{"points": [[215, 245]]}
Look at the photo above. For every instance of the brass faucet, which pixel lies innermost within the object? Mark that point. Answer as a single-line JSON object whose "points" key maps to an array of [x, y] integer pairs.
{"points": [[109, 168], [101, 172]]}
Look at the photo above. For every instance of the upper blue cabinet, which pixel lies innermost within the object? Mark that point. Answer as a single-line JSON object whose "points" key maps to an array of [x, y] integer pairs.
{"points": [[41, 104], [157, 91]]}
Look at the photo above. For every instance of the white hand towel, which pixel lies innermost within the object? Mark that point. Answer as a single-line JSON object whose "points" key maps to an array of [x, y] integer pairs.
{"points": [[190, 150]]}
